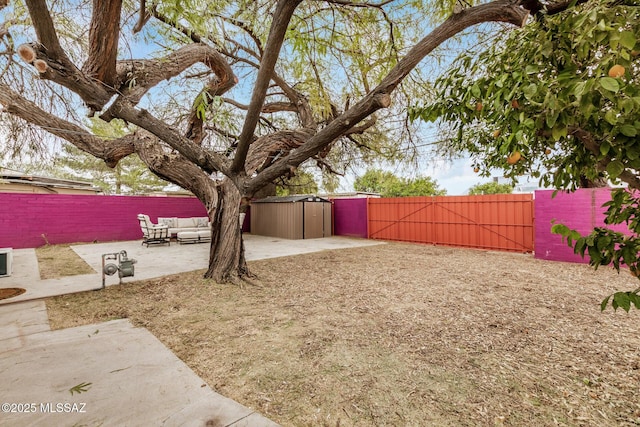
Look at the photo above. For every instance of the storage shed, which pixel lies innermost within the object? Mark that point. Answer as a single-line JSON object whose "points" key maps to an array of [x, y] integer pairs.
{"points": [[291, 217]]}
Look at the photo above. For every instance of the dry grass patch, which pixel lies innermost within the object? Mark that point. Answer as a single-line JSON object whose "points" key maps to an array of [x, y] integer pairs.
{"points": [[397, 334], [57, 261]]}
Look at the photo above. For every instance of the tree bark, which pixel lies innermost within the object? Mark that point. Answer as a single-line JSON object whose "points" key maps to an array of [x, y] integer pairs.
{"points": [[104, 34], [226, 256]]}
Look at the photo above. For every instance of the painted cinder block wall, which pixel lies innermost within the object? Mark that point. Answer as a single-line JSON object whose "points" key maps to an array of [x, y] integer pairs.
{"points": [[64, 218], [350, 217], [580, 210]]}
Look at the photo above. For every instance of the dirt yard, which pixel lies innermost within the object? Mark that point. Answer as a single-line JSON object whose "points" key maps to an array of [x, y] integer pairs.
{"points": [[397, 334]]}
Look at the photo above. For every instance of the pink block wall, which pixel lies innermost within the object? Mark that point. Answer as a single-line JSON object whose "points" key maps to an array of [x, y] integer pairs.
{"points": [[63, 218], [581, 210], [350, 217]]}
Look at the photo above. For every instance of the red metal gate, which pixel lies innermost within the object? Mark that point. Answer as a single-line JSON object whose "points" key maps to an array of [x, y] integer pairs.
{"points": [[499, 222]]}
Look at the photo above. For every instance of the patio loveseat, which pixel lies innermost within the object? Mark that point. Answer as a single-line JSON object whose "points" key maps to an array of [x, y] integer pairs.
{"points": [[178, 225]]}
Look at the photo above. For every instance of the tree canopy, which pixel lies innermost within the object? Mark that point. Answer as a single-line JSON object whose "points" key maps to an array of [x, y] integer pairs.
{"points": [[558, 99], [302, 183], [387, 184], [491, 188]]}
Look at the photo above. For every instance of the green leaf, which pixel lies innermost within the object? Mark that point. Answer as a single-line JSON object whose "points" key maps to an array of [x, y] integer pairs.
{"points": [[635, 299], [80, 388], [622, 299], [560, 229], [611, 117], [615, 168], [604, 148], [610, 84], [627, 39], [628, 130], [531, 69], [558, 132], [603, 304], [530, 91], [603, 243], [551, 119]]}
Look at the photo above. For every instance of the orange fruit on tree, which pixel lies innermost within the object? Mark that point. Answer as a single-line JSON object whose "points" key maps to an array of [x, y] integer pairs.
{"points": [[496, 133], [547, 151], [479, 106], [515, 104], [476, 169], [514, 158], [617, 71]]}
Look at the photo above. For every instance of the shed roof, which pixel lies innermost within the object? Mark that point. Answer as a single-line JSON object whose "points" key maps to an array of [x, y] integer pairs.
{"points": [[292, 199]]}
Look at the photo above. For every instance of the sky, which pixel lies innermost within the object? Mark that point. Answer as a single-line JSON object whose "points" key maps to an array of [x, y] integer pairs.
{"points": [[455, 176]]}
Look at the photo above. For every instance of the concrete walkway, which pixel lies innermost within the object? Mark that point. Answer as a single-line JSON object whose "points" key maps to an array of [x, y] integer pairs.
{"points": [[113, 374]]}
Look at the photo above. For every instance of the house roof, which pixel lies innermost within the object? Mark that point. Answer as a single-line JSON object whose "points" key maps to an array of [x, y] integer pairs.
{"points": [[43, 181], [292, 199]]}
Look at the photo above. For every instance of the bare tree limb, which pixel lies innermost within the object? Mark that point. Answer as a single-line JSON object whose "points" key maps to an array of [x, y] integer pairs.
{"points": [[282, 15], [379, 97], [247, 30], [110, 151], [175, 168], [209, 161], [138, 76], [143, 17], [104, 33], [53, 63]]}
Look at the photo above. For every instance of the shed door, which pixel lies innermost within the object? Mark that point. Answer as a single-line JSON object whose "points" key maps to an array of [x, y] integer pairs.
{"points": [[313, 220]]}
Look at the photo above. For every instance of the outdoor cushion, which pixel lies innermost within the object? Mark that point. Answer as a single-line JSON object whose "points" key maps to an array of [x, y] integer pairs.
{"points": [[194, 236], [169, 222], [187, 223]]}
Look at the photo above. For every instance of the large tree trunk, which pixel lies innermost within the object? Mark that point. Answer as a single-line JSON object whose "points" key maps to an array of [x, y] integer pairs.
{"points": [[226, 257]]}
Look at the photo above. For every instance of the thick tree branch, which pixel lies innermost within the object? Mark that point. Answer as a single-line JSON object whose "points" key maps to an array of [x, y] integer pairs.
{"points": [[111, 151], [536, 6], [175, 168], [209, 161], [138, 77], [45, 30], [104, 33], [303, 108], [52, 62], [379, 97], [282, 16]]}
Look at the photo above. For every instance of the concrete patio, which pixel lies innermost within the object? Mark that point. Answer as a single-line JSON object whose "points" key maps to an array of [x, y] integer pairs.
{"points": [[153, 261], [113, 374]]}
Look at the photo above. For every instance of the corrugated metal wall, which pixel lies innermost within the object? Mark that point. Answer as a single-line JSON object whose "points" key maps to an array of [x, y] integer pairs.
{"points": [[317, 220], [277, 220], [499, 222], [296, 220]]}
